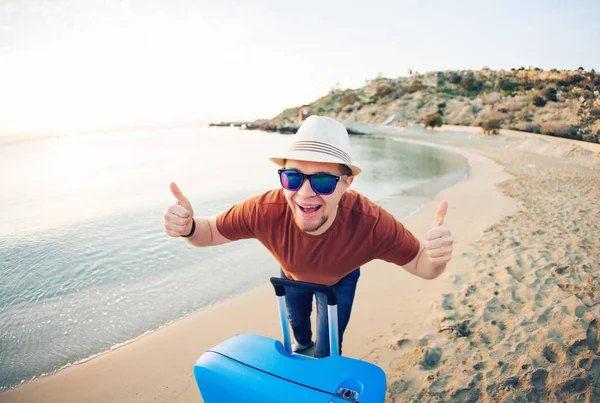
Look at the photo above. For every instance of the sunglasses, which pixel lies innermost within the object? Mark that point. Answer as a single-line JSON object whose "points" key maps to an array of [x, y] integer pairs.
{"points": [[321, 183]]}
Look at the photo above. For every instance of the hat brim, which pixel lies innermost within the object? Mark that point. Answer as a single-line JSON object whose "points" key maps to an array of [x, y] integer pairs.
{"points": [[313, 157]]}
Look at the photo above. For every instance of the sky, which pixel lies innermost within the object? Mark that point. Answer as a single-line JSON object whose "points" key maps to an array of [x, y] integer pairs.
{"points": [[73, 65]]}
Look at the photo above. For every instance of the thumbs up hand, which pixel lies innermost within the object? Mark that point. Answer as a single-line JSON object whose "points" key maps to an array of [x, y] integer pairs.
{"points": [[439, 239], [178, 218]]}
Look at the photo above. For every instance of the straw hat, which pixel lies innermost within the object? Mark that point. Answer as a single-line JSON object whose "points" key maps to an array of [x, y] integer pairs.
{"points": [[320, 139]]}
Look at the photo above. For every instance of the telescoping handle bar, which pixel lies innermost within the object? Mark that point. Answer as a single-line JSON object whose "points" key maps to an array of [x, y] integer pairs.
{"points": [[280, 283]]}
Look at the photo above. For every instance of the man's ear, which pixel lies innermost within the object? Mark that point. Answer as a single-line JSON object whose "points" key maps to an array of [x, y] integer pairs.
{"points": [[350, 180]]}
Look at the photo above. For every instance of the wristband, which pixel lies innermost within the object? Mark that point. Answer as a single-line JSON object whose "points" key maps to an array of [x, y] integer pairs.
{"points": [[192, 230]]}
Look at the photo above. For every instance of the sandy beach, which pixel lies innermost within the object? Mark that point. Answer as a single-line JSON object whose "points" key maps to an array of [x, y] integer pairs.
{"points": [[514, 318]]}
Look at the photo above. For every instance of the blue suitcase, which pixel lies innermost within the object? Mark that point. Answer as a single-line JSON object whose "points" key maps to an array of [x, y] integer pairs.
{"points": [[250, 368]]}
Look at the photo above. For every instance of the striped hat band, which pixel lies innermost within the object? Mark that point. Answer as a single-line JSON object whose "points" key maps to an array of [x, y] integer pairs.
{"points": [[324, 148]]}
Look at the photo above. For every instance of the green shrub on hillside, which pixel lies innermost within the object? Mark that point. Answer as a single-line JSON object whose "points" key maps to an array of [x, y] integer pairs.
{"points": [[349, 98], [539, 101], [441, 108], [383, 89], [441, 79], [415, 86], [507, 85], [576, 78], [455, 77], [288, 114], [526, 127], [470, 83], [433, 120], [559, 129], [550, 94], [447, 90], [491, 126]]}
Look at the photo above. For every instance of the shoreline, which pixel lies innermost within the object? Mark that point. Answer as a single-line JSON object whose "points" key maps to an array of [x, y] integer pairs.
{"points": [[159, 366], [38, 388], [106, 349]]}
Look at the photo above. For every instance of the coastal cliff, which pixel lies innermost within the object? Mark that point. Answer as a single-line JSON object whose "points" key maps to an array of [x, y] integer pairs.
{"points": [[556, 103]]}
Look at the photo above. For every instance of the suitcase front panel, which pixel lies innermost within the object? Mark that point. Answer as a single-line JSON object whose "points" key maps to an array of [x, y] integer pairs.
{"points": [[259, 354], [223, 380]]}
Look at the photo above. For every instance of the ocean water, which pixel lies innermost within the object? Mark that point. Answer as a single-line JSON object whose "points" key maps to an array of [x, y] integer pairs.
{"points": [[85, 265]]}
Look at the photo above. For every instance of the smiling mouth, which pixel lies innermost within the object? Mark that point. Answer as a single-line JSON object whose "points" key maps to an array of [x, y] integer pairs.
{"points": [[307, 209]]}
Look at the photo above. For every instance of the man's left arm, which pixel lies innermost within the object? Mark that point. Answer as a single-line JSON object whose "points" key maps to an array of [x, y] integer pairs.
{"points": [[436, 251]]}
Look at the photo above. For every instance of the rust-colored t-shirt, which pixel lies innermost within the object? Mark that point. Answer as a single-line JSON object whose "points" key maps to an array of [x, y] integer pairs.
{"points": [[362, 231]]}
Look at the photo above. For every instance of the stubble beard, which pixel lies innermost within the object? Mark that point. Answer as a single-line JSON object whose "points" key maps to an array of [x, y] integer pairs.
{"points": [[314, 228]]}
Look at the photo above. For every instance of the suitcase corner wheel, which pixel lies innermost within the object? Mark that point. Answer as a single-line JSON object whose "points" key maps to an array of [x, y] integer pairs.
{"points": [[251, 368]]}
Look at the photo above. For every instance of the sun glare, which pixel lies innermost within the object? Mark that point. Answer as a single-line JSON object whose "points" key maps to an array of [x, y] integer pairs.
{"points": [[156, 70], [117, 89]]}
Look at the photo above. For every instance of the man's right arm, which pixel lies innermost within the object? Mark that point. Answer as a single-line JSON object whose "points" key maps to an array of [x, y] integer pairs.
{"points": [[206, 233]]}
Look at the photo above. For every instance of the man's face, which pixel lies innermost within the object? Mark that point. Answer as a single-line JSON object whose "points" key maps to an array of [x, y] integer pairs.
{"points": [[314, 213]]}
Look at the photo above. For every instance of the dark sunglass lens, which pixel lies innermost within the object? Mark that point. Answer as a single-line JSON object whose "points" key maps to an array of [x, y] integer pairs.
{"points": [[291, 180], [323, 183]]}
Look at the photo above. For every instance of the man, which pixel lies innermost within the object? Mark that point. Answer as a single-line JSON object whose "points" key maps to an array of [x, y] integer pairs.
{"points": [[317, 229]]}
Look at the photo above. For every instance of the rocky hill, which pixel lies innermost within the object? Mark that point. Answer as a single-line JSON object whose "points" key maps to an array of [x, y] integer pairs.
{"points": [[558, 103]]}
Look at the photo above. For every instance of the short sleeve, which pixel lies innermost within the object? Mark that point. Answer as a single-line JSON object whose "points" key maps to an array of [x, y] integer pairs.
{"points": [[393, 242], [239, 221]]}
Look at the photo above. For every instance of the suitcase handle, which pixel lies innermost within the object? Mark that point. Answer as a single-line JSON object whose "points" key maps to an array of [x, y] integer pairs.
{"points": [[279, 285]]}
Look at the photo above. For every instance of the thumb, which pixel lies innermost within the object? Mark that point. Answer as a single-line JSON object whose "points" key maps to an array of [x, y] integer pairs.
{"points": [[179, 196], [441, 213]]}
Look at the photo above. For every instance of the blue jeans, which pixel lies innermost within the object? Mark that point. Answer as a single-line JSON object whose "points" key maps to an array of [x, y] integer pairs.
{"points": [[299, 305]]}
